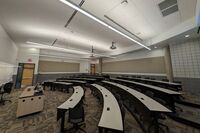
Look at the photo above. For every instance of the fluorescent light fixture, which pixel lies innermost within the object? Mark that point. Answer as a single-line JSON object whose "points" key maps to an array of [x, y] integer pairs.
{"points": [[76, 7], [49, 47], [187, 36]]}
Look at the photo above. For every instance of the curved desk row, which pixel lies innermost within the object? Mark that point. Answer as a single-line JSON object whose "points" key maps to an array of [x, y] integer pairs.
{"points": [[111, 117], [61, 85], [47, 83], [98, 78], [160, 89], [176, 86], [87, 80], [70, 103], [168, 95], [153, 106], [148, 102], [75, 82]]}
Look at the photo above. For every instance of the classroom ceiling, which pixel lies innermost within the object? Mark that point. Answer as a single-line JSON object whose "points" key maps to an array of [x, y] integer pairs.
{"points": [[42, 21]]}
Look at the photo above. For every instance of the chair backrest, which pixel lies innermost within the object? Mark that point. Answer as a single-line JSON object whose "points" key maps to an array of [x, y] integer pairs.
{"points": [[8, 87], [117, 96], [122, 108], [177, 82], [165, 80], [161, 101], [149, 93], [76, 114], [137, 89]]}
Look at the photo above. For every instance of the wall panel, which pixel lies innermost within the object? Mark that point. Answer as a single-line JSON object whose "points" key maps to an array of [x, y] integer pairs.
{"points": [[50, 66], [185, 58], [145, 65]]}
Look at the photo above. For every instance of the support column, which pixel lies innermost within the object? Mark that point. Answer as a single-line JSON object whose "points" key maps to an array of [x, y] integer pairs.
{"points": [[168, 63], [100, 66]]}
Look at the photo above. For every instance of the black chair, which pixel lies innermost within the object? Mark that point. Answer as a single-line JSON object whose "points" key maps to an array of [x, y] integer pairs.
{"points": [[77, 118], [137, 89], [117, 96], [122, 108], [161, 116], [165, 80], [177, 81], [149, 93], [6, 89]]}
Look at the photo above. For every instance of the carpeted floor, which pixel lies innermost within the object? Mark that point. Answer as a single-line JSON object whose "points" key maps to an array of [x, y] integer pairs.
{"points": [[45, 121]]}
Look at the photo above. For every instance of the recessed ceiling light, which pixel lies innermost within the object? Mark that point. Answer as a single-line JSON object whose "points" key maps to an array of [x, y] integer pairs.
{"points": [[187, 36]]}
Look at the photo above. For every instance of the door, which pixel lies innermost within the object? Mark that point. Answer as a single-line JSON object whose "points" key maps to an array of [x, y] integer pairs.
{"points": [[92, 69], [25, 75]]}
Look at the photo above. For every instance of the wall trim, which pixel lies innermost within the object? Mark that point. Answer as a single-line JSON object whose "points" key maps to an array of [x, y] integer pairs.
{"points": [[58, 72], [59, 60], [130, 59], [147, 74]]}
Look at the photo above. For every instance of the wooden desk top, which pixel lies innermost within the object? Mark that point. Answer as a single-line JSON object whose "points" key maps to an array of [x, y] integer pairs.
{"points": [[150, 103], [74, 99], [111, 118], [169, 92]]}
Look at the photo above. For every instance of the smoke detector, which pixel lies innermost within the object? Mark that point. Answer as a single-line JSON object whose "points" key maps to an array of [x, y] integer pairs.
{"points": [[125, 2]]}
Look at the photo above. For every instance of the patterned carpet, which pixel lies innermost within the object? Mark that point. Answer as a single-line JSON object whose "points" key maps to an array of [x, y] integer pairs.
{"points": [[45, 121]]}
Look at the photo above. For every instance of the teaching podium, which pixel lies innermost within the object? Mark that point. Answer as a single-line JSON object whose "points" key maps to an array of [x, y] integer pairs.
{"points": [[30, 101]]}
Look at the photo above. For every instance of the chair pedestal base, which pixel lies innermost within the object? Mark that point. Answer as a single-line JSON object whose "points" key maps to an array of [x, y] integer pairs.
{"points": [[77, 127]]}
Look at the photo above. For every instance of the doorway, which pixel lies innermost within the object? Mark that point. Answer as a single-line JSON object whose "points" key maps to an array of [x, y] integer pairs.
{"points": [[25, 75], [92, 69]]}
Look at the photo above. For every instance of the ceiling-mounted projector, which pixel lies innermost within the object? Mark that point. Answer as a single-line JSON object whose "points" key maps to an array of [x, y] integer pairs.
{"points": [[113, 46]]}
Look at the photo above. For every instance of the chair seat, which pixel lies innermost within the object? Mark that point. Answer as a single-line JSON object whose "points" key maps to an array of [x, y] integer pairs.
{"points": [[74, 121]]}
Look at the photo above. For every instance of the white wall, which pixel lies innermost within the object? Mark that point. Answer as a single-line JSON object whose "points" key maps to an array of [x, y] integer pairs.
{"points": [[24, 54], [185, 58], [8, 49], [8, 55], [6, 72], [84, 66]]}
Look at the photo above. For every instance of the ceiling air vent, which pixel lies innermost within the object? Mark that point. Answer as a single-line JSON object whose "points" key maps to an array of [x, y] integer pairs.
{"points": [[168, 7]]}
